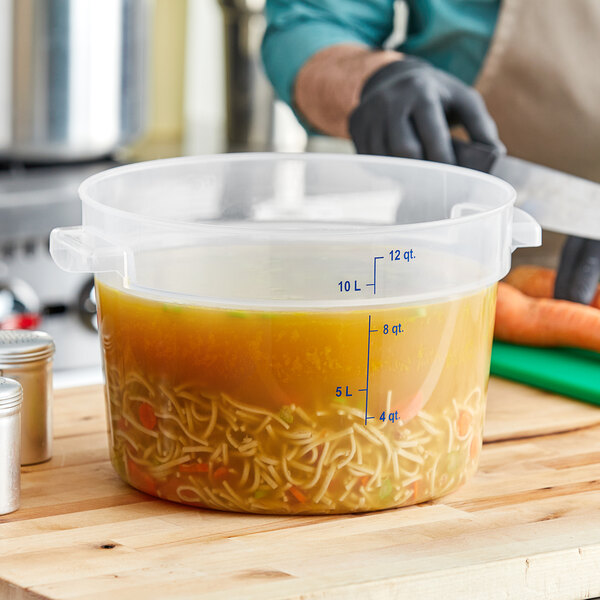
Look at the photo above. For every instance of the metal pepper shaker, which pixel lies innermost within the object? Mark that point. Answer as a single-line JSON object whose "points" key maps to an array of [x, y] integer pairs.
{"points": [[26, 356], [11, 394]]}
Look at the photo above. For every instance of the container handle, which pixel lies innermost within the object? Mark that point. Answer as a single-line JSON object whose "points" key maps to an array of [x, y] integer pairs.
{"points": [[526, 232], [463, 209], [78, 250]]}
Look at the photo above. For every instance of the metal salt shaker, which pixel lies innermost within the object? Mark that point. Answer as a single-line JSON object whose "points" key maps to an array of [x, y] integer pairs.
{"points": [[27, 357], [11, 394]]}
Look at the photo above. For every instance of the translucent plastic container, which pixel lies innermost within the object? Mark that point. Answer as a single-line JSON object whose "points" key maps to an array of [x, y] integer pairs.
{"points": [[295, 333]]}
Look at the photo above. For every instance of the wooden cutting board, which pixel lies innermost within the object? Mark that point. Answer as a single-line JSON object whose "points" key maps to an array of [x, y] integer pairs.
{"points": [[526, 526]]}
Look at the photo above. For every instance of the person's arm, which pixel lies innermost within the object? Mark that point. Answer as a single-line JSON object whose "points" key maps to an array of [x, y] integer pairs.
{"points": [[299, 30], [323, 59], [329, 85]]}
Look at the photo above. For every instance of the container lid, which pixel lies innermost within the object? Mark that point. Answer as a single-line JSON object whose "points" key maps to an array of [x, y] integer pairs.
{"points": [[22, 346], [11, 393]]}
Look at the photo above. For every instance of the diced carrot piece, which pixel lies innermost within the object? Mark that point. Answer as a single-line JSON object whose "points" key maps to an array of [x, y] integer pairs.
{"points": [[364, 480], [464, 423], [415, 489], [140, 479], [298, 494], [147, 416], [220, 474]]}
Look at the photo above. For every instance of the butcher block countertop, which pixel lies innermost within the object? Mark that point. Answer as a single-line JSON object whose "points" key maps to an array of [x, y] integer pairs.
{"points": [[526, 526]]}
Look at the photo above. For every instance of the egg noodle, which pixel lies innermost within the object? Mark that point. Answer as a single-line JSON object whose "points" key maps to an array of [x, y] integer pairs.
{"points": [[208, 449]]}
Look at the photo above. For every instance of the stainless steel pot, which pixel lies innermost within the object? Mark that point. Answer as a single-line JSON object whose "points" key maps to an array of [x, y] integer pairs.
{"points": [[73, 77], [250, 96]]}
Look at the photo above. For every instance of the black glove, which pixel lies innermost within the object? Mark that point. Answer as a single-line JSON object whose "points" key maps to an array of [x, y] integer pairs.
{"points": [[407, 108], [579, 270]]}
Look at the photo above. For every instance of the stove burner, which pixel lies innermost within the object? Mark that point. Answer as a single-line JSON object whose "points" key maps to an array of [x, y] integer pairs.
{"points": [[19, 167], [35, 198]]}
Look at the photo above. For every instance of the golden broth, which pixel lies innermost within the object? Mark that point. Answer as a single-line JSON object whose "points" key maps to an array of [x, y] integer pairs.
{"points": [[264, 411]]}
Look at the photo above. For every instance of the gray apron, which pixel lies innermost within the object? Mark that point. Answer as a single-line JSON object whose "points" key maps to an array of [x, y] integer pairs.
{"points": [[541, 82]]}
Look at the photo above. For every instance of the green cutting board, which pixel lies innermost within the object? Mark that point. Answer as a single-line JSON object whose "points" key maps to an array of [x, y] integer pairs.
{"points": [[567, 371]]}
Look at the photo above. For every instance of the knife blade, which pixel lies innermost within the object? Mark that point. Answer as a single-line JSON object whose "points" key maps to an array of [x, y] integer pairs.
{"points": [[558, 201]]}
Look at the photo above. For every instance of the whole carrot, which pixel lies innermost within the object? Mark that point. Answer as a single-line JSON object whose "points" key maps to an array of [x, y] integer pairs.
{"points": [[544, 321], [538, 282]]}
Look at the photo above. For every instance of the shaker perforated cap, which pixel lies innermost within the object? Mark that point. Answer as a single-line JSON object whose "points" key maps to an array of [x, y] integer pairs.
{"points": [[11, 393], [22, 346]]}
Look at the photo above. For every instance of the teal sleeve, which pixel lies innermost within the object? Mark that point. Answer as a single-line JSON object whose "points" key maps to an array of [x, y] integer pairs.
{"points": [[453, 35], [297, 29]]}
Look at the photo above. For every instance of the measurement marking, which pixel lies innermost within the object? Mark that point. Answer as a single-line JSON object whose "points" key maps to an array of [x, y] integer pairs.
{"points": [[368, 369], [374, 284]]}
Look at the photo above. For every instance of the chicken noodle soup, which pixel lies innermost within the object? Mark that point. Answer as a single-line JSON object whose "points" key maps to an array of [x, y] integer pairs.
{"points": [[324, 411]]}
